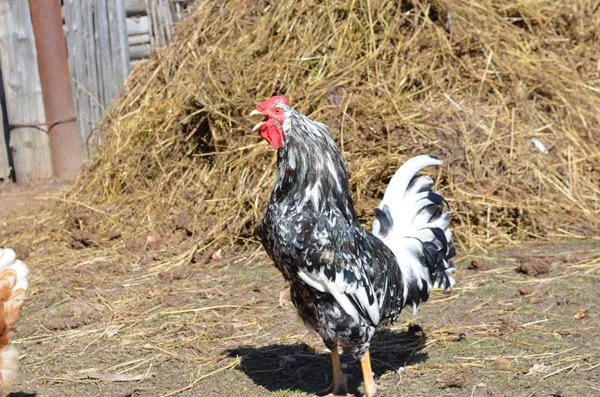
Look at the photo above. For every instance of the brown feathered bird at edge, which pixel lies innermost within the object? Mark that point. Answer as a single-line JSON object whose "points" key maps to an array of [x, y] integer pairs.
{"points": [[13, 290], [346, 281]]}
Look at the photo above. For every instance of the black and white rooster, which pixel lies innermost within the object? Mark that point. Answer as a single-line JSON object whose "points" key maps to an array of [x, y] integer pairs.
{"points": [[346, 281]]}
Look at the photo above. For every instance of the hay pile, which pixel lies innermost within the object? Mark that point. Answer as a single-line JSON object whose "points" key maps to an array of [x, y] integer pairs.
{"points": [[469, 81]]}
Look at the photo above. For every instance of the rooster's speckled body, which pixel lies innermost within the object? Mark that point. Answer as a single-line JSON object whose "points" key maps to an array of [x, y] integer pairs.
{"points": [[344, 280], [310, 228]]}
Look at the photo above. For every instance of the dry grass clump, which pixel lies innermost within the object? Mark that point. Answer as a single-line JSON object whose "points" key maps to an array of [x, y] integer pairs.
{"points": [[469, 81]]}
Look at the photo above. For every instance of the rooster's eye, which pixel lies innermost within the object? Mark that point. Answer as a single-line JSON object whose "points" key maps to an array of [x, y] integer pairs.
{"points": [[278, 111]]}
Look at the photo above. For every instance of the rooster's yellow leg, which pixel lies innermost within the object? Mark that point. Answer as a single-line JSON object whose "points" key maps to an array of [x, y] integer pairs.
{"points": [[368, 376], [338, 387]]}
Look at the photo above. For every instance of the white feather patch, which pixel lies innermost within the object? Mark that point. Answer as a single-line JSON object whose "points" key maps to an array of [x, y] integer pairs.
{"points": [[287, 124]]}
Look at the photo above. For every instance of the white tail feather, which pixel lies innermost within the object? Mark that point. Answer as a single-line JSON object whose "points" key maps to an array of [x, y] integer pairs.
{"points": [[394, 193], [412, 222]]}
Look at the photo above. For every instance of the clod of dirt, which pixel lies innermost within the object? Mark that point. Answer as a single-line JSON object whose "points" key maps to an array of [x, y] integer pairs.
{"points": [[524, 291], [505, 365], [128, 392], [72, 316], [26, 330], [335, 96], [507, 327], [170, 300], [83, 239], [456, 379], [22, 251], [222, 331], [534, 267], [61, 324], [146, 260], [478, 266], [202, 257], [184, 222], [113, 235], [177, 274], [154, 243], [76, 218], [135, 244], [533, 300]]}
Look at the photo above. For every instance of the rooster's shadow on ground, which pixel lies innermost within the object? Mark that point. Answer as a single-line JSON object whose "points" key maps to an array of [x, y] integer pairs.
{"points": [[299, 367]]}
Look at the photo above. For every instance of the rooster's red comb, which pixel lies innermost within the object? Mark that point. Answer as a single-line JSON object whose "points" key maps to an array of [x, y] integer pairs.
{"points": [[266, 104]]}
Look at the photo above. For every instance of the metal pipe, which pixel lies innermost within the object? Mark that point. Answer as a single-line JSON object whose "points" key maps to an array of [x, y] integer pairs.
{"points": [[66, 147]]}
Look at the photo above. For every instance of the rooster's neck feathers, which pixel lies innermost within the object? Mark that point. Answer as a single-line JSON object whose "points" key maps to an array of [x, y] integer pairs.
{"points": [[310, 168]]}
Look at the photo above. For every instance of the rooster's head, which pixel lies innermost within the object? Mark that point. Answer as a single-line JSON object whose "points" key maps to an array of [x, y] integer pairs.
{"points": [[276, 120]]}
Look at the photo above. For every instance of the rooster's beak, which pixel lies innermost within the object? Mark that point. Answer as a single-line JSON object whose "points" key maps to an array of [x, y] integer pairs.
{"points": [[256, 113], [257, 126]]}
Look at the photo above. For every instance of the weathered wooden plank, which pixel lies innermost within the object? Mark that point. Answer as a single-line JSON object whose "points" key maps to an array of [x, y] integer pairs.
{"points": [[135, 62], [176, 11], [135, 7], [166, 19], [138, 25], [117, 50], [139, 51], [76, 33], [111, 49], [161, 21], [107, 86], [94, 83], [138, 39], [18, 59], [155, 37], [121, 16]]}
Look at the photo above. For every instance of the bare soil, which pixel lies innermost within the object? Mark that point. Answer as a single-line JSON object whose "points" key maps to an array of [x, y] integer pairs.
{"points": [[165, 318], [18, 198]]}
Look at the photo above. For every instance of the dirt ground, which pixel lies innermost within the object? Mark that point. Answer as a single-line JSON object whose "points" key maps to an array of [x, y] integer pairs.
{"points": [[151, 318], [18, 198]]}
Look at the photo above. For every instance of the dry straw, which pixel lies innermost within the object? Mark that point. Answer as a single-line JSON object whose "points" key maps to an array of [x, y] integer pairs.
{"points": [[471, 82]]}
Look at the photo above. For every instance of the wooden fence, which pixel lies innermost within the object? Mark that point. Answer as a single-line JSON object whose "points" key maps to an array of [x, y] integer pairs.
{"points": [[24, 107], [105, 39]]}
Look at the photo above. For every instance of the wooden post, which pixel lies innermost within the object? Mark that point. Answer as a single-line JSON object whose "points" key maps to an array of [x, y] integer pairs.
{"points": [[28, 137]]}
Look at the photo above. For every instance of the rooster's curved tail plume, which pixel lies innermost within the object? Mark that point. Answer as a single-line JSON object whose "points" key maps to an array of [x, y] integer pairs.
{"points": [[412, 222], [13, 289]]}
